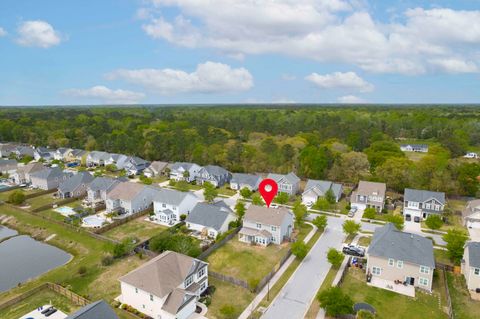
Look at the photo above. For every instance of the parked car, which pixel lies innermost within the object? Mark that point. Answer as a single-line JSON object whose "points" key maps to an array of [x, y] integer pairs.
{"points": [[416, 219], [408, 217], [352, 212], [353, 250]]}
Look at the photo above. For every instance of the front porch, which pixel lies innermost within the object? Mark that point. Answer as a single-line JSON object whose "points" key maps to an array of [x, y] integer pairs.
{"points": [[407, 290]]}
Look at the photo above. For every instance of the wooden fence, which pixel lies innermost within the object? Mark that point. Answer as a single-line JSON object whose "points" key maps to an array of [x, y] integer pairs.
{"points": [[450, 313], [230, 279], [59, 203], [122, 221], [263, 282], [40, 193], [219, 244]]}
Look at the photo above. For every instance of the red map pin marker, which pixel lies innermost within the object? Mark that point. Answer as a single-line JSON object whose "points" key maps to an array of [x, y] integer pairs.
{"points": [[268, 188]]}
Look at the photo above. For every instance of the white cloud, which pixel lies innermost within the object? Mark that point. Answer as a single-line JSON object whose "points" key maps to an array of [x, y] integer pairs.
{"points": [[105, 94], [2, 32], [351, 99], [209, 77], [288, 77], [338, 31], [37, 34], [454, 65], [339, 80]]}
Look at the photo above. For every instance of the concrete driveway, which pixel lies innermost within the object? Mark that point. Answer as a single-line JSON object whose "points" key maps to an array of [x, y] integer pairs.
{"points": [[474, 234]]}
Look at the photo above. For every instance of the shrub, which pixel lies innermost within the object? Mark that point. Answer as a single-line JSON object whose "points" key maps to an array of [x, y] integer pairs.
{"points": [[299, 249], [434, 222], [246, 192], [455, 239], [335, 257], [16, 198], [397, 220], [228, 312], [335, 302], [82, 270], [257, 200], [253, 283], [281, 198], [365, 314], [183, 217], [107, 260], [370, 213]]}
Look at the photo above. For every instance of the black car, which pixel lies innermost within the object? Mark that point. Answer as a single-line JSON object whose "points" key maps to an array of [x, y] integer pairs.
{"points": [[416, 219], [408, 217], [353, 251]]}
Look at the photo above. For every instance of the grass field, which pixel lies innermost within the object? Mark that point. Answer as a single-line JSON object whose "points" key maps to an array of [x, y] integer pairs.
{"points": [[441, 256], [227, 294], [423, 306], [4, 195], [364, 241], [463, 306], [41, 201], [138, 228], [224, 190]]}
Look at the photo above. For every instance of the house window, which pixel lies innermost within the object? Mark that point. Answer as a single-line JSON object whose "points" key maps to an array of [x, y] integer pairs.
{"points": [[476, 271], [423, 281], [274, 228], [259, 226], [399, 264], [391, 262], [437, 207], [376, 270], [143, 306], [424, 270], [136, 290], [203, 286], [188, 281], [201, 272], [151, 297], [427, 206], [164, 205]]}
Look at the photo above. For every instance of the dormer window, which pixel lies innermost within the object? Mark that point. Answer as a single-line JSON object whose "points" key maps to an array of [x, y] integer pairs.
{"points": [[259, 226], [188, 281], [201, 273]]}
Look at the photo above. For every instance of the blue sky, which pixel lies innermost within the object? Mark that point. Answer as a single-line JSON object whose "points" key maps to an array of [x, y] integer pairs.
{"points": [[238, 51]]}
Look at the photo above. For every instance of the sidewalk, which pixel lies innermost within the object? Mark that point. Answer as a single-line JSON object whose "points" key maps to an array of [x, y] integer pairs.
{"points": [[259, 297]]}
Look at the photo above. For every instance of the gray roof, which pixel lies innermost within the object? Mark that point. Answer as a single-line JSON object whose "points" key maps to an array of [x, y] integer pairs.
{"points": [[177, 165], [215, 170], [321, 187], [389, 242], [25, 150], [102, 183], [62, 150], [8, 163], [474, 254], [158, 166], [78, 152], [248, 179], [48, 173], [98, 155], [209, 215], [417, 195], [171, 197], [72, 183], [290, 177], [135, 160], [97, 310]]}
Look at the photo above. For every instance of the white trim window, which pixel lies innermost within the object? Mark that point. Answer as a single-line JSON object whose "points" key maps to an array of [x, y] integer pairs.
{"points": [[188, 281], [376, 271], [259, 226], [400, 264], [424, 270], [201, 272], [423, 281], [391, 262], [476, 271]]}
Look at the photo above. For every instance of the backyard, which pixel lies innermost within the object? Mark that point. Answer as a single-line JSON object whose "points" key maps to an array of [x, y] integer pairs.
{"points": [[138, 228], [227, 295], [26, 191], [463, 306], [40, 201]]}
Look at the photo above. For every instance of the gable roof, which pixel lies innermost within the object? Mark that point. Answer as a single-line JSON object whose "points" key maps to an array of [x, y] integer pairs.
{"points": [[176, 300], [417, 195], [290, 178], [171, 197], [125, 190], [389, 242], [474, 254], [415, 145], [24, 150], [78, 152], [48, 173], [264, 215], [8, 163], [321, 187], [135, 160], [249, 179], [72, 183], [44, 151], [215, 170], [102, 183], [163, 274], [98, 155], [208, 215], [158, 166], [31, 168], [178, 165], [96, 310], [369, 188]]}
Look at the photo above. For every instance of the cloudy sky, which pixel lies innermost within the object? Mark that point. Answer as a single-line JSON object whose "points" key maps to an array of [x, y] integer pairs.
{"points": [[239, 51]]}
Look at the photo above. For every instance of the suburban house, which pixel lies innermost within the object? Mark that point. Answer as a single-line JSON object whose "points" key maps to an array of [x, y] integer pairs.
{"points": [[135, 165], [210, 220], [97, 158], [407, 258], [240, 181], [97, 190], [421, 203], [96, 310], [471, 214], [369, 194], [75, 186], [315, 189], [60, 153], [167, 286], [22, 175], [129, 198], [119, 160], [216, 175], [6, 149], [8, 166], [48, 178], [75, 155], [156, 168], [471, 155], [262, 225], [471, 265], [43, 153], [422, 148], [289, 183], [181, 171], [169, 205], [22, 151]]}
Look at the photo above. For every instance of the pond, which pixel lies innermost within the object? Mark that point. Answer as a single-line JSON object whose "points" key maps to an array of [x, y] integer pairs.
{"points": [[23, 258], [6, 232]]}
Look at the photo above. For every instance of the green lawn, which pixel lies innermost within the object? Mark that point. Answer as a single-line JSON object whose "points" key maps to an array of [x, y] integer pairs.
{"points": [[41, 201], [138, 228], [227, 294], [463, 306], [4, 195], [441, 256], [226, 190], [364, 241], [384, 301]]}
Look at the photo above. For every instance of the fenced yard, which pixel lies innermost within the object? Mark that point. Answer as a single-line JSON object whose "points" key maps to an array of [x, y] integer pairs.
{"points": [[138, 228], [463, 306]]}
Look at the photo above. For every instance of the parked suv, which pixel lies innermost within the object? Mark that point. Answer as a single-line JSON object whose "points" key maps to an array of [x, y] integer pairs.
{"points": [[352, 212], [353, 250]]}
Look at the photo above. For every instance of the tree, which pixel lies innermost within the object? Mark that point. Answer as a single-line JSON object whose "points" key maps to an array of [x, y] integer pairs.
{"points": [[335, 302], [350, 227], [240, 209], [370, 213], [300, 211], [177, 242], [380, 151], [209, 192], [123, 248], [434, 221], [396, 172], [299, 249], [314, 161], [335, 257], [281, 198], [396, 220], [257, 200], [321, 222], [26, 159], [146, 180], [321, 204], [17, 197], [330, 197], [350, 167], [455, 239], [182, 186], [246, 192]]}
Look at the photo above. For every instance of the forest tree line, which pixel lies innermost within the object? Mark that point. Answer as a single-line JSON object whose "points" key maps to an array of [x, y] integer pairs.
{"points": [[344, 144]]}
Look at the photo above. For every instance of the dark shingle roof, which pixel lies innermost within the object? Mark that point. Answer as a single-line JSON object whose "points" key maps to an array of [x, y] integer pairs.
{"points": [[474, 254], [417, 195], [171, 197], [290, 177], [97, 310], [208, 215], [249, 179], [389, 242], [72, 183], [102, 183]]}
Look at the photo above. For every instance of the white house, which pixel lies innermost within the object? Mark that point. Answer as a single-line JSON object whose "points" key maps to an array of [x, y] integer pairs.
{"points": [[262, 225], [181, 171], [169, 205], [166, 287], [471, 214], [289, 183], [97, 190], [156, 168], [8, 166], [471, 155], [129, 198], [422, 148], [240, 181], [315, 189], [471, 265], [369, 194], [210, 220], [421, 203], [97, 158]]}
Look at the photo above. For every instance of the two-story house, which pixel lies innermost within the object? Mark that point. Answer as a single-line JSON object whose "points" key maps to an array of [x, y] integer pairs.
{"points": [[75, 186], [156, 168], [22, 175], [21, 151], [422, 148], [210, 220], [216, 175], [97, 190], [262, 225], [6, 149], [135, 165], [119, 160], [48, 178], [129, 198], [240, 181], [316, 189], [95, 310], [407, 258], [289, 183], [8, 166], [421, 203], [60, 153], [181, 171], [166, 287], [471, 265], [471, 214], [97, 158], [43, 153], [369, 194], [169, 205]]}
